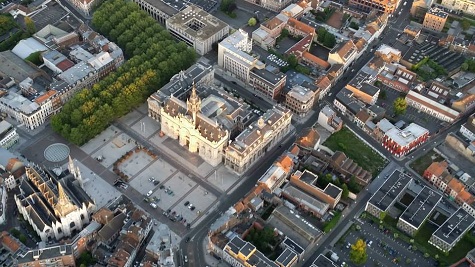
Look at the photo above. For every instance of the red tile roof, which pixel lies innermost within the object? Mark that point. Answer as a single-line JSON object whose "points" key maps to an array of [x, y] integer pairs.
{"points": [[8, 242], [300, 26], [65, 64], [314, 59], [437, 168]]}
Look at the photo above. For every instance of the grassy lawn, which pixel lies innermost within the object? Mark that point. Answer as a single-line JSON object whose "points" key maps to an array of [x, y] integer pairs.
{"points": [[345, 141], [421, 164], [459, 251]]}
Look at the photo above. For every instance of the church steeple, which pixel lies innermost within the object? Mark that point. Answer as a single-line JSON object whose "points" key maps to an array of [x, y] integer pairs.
{"points": [[63, 206], [194, 103]]}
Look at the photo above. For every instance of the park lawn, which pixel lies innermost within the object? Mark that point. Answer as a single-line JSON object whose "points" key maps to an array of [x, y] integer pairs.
{"points": [[421, 164], [466, 244], [348, 143]]}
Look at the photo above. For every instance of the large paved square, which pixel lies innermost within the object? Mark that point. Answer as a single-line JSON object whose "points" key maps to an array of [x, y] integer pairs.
{"points": [[160, 170], [146, 126], [201, 199], [137, 162], [179, 185], [100, 140], [223, 178], [114, 149]]}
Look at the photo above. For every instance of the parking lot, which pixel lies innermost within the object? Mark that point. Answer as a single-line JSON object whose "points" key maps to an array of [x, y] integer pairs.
{"points": [[411, 115], [382, 248], [160, 170], [50, 15]]}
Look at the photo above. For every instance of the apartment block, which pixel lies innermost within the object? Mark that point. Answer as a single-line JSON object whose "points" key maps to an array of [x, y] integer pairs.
{"points": [[299, 100], [234, 56], [452, 230], [306, 181], [389, 192], [427, 104], [466, 6], [402, 141], [343, 53], [364, 92], [61, 255], [252, 143], [386, 6], [273, 5], [468, 129], [197, 28], [8, 135], [268, 81], [435, 19], [418, 211], [329, 120]]}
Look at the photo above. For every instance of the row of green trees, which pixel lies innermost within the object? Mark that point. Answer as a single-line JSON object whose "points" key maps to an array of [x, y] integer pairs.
{"points": [[154, 58], [326, 38]]}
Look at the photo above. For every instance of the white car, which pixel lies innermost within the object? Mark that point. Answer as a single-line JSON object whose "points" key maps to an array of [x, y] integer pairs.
{"points": [[186, 259], [149, 193], [153, 205]]}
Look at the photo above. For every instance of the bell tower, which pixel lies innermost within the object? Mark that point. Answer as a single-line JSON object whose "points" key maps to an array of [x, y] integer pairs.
{"points": [[194, 104]]}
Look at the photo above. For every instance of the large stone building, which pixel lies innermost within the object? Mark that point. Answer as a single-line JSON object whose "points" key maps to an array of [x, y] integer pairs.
{"points": [[54, 205], [197, 28], [299, 100], [193, 129], [85, 6], [8, 135], [466, 6], [468, 129], [59, 255], [435, 19], [258, 138], [273, 5], [234, 55], [180, 86], [387, 6]]}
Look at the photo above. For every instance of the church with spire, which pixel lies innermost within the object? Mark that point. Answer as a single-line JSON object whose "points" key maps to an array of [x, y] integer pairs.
{"points": [[187, 123], [54, 203]]}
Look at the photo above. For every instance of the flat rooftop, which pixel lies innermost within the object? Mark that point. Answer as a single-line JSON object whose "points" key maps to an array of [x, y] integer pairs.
{"points": [[390, 190], [405, 137], [13, 66], [421, 207], [308, 200], [438, 12], [196, 23], [172, 7], [286, 257], [323, 261], [298, 223], [455, 226]]}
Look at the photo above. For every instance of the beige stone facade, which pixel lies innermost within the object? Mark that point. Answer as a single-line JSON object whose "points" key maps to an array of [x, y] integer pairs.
{"points": [[185, 122], [257, 139]]}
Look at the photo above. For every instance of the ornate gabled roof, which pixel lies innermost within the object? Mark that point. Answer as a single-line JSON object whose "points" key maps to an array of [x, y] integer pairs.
{"points": [[63, 206]]}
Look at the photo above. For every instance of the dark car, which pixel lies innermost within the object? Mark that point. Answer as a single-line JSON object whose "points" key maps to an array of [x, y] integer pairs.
{"points": [[156, 182], [187, 239], [192, 208], [186, 203]]}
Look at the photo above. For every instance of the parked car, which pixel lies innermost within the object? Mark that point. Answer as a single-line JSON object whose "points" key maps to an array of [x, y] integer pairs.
{"points": [[187, 203], [149, 193]]}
